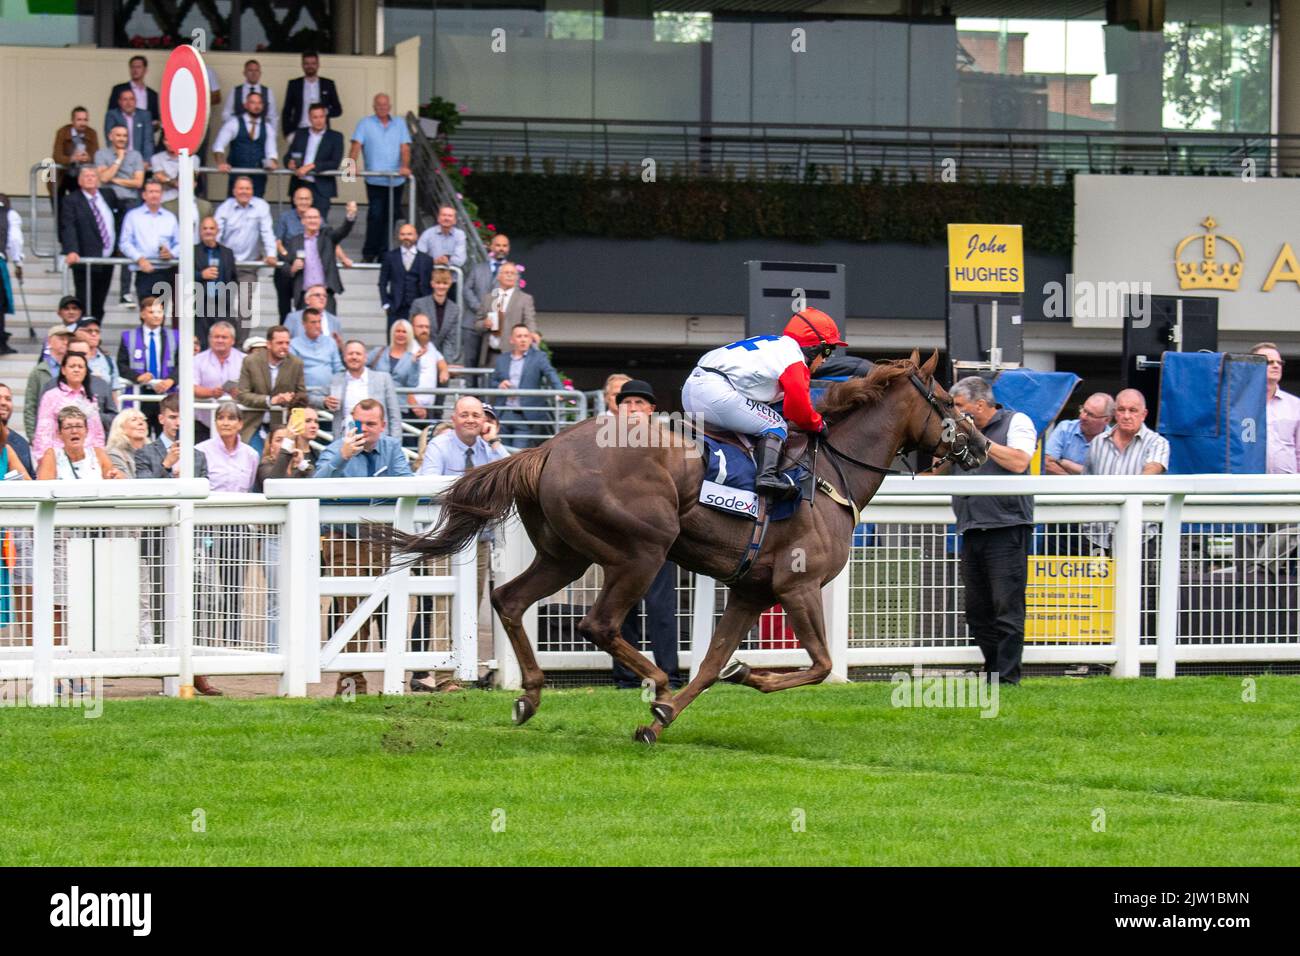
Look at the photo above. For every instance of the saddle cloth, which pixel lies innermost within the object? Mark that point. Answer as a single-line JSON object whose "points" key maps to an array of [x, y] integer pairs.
{"points": [[729, 475]]}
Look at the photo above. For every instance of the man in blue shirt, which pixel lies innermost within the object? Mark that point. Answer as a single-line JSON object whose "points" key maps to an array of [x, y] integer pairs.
{"points": [[365, 450], [320, 356], [1067, 446], [151, 232], [387, 145], [362, 451]]}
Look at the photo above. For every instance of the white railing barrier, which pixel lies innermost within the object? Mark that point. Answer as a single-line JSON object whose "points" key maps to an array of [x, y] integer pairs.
{"points": [[341, 506]]}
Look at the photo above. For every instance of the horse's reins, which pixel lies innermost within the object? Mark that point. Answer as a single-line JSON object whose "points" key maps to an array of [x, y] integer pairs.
{"points": [[957, 451]]}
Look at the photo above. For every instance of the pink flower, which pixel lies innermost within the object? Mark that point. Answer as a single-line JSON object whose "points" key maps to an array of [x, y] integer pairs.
{"points": [[491, 228], [520, 269], [459, 196], [522, 283], [464, 170]]}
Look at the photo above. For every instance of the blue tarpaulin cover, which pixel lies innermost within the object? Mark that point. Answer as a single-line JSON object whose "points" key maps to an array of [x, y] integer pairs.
{"points": [[1040, 395], [1234, 388]]}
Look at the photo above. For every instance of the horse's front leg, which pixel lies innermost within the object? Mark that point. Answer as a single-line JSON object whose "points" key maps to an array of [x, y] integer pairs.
{"points": [[736, 622], [803, 609]]}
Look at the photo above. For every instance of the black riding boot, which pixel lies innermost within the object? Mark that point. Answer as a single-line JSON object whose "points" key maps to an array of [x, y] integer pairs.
{"points": [[770, 480]]}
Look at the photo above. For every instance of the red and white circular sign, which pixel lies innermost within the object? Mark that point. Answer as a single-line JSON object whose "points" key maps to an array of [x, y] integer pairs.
{"points": [[184, 100]]}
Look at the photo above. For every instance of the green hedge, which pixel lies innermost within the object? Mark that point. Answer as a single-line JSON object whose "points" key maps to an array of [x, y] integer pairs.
{"points": [[539, 206]]}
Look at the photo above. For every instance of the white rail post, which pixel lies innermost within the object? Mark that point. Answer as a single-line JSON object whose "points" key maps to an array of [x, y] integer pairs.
{"points": [[42, 692], [1128, 587], [835, 611], [185, 594], [706, 591], [397, 624], [464, 642], [514, 552], [1170, 555], [299, 597]]}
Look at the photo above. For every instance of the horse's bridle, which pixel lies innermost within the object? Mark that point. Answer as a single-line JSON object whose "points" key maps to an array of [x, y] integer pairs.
{"points": [[959, 446]]}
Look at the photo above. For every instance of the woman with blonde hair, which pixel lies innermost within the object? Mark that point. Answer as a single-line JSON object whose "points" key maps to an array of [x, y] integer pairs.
{"points": [[130, 433], [398, 358]]}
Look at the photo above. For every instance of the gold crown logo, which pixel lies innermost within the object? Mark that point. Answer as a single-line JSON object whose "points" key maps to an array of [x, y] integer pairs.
{"points": [[1209, 274]]}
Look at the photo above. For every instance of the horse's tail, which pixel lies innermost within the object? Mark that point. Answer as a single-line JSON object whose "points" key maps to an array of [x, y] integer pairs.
{"points": [[480, 497]]}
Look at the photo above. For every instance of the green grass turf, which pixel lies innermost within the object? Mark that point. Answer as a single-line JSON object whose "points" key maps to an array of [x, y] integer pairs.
{"points": [[1184, 770]]}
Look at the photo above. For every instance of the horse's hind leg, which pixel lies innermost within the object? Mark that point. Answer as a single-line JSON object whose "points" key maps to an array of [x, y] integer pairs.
{"points": [[546, 575], [736, 622]]}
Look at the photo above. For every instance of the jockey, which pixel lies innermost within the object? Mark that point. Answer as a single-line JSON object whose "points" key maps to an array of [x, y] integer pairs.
{"points": [[733, 387]]}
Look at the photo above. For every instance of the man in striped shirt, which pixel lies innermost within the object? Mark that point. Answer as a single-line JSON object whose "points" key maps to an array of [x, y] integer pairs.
{"points": [[1126, 448]]}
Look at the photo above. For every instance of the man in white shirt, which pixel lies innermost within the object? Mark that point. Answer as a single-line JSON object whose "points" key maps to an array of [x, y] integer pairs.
{"points": [[244, 222], [151, 232], [432, 366], [252, 84], [250, 141], [357, 382]]}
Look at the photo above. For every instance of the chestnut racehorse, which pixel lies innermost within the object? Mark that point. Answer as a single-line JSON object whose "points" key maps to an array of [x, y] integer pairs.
{"points": [[628, 509]]}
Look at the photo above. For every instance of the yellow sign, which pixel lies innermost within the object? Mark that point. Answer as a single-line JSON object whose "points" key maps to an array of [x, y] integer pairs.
{"points": [[1070, 600], [985, 258]]}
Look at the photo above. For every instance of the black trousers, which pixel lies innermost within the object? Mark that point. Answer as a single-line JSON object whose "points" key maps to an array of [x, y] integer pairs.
{"points": [[379, 234], [318, 198], [120, 208], [661, 627], [94, 291], [145, 283], [994, 572]]}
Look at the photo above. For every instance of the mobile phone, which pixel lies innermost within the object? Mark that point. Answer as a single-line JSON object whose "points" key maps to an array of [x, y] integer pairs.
{"points": [[297, 419], [356, 428]]}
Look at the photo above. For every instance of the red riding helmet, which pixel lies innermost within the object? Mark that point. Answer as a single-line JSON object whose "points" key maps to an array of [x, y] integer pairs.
{"points": [[813, 328]]}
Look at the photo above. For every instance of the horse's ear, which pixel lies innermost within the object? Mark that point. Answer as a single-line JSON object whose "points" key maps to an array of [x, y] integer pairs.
{"points": [[930, 364], [916, 356]]}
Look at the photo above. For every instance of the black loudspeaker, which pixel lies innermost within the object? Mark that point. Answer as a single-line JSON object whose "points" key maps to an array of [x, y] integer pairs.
{"points": [[1146, 339], [772, 291], [970, 330]]}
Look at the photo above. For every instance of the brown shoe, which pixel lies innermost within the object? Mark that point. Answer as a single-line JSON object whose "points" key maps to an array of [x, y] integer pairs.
{"points": [[202, 686]]}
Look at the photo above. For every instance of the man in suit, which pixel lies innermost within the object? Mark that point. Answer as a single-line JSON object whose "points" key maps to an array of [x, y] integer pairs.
{"points": [[526, 367], [250, 140], [504, 308], [314, 150], [148, 356], [214, 272], [305, 90], [445, 325], [252, 84], [74, 144], [404, 274], [161, 457], [478, 286], [356, 382], [138, 123], [86, 228], [311, 260], [270, 383], [146, 98]]}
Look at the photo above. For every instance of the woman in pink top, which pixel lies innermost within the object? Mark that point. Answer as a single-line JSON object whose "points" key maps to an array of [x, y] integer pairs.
{"points": [[70, 389]]}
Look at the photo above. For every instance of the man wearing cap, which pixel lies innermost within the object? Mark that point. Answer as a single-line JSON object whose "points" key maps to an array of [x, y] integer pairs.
{"points": [[492, 432], [46, 370], [71, 310], [101, 366], [995, 532], [636, 399]]}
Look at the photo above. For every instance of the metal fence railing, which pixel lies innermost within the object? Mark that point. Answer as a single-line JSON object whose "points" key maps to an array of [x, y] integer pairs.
{"points": [[823, 152], [45, 173]]}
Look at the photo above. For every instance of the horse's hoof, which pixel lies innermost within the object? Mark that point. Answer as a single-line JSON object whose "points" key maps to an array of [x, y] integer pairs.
{"points": [[645, 735], [523, 709], [664, 712], [734, 673]]}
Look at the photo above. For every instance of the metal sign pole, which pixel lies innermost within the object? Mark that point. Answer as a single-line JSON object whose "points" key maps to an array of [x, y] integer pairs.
{"points": [[185, 379]]}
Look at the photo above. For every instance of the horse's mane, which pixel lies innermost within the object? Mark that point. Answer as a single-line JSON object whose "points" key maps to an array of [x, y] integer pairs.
{"points": [[843, 397]]}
